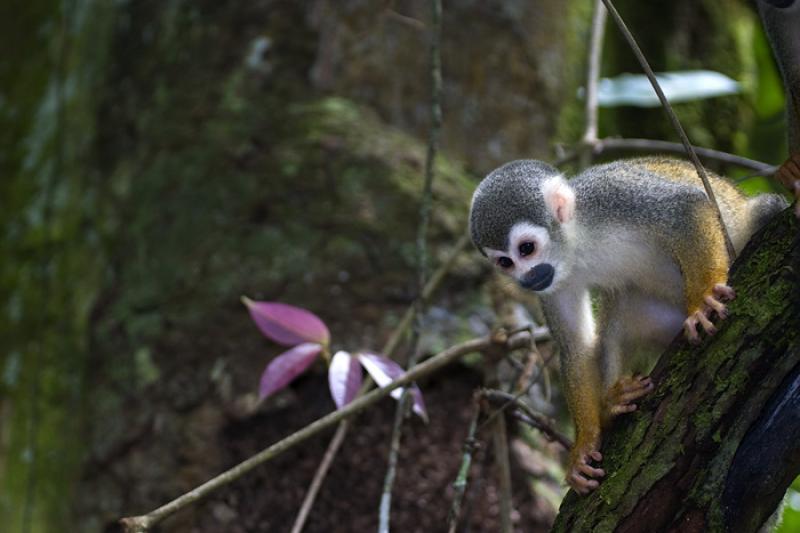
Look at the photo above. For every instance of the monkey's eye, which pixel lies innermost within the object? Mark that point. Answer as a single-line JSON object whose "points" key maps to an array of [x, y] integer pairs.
{"points": [[526, 248], [505, 262]]}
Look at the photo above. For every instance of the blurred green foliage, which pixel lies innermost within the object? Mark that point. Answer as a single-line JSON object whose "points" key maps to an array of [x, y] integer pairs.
{"points": [[790, 522]]}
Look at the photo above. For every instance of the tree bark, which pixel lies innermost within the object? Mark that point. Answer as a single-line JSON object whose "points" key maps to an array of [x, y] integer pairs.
{"points": [[718, 443]]}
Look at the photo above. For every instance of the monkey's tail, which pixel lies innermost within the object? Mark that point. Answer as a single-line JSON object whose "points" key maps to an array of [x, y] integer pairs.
{"points": [[763, 207]]}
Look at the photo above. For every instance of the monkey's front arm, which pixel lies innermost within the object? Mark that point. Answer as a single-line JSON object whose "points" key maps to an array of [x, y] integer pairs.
{"points": [[569, 315]]}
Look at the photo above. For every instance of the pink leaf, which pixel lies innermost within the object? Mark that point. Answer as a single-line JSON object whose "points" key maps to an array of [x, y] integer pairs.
{"points": [[419, 404], [383, 370], [287, 366], [287, 324], [344, 378]]}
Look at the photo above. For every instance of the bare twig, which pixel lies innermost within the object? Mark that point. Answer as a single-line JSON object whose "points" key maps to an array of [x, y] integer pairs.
{"points": [[515, 398], [436, 280], [602, 146], [526, 376], [411, 22], [384, 514], [388, 350], [529, 416], [385, 508], [141, 524], [460, 483], [319, 476], [433, 141], [482, 460], [606, 145], [498, 423], [592, 77], [519, 366], [545, 426], [673, 119], [493, 355], [503, 473]]}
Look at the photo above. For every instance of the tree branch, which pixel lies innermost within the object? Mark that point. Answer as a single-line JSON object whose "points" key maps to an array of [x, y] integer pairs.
{"points": [[611, 145], [500, 440], [530, 417], [460, 483], [319, 476], [617, 144], [592, 78], [384, 514]]}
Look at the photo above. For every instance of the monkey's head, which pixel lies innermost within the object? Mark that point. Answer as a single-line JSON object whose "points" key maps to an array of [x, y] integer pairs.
{"points": [[521, 218]]}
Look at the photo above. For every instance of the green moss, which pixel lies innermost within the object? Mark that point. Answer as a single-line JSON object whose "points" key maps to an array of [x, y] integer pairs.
{"points": [[702, 421], [52, 255]]}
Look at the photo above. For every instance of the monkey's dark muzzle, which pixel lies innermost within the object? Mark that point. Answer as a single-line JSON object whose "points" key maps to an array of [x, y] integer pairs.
{"points": [[539, 277]]}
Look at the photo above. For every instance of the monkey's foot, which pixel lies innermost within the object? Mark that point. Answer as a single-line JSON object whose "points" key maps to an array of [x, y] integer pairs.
{"points": [[581, 474], [622, 394], [789, 175], [713, 303]]}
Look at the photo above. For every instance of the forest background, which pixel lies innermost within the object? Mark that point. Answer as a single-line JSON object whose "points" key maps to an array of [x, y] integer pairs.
{"points": [[160, 159]]}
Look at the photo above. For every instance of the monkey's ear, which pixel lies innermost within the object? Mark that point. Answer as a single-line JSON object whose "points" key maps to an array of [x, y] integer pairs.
{"points": [[559, 198]]}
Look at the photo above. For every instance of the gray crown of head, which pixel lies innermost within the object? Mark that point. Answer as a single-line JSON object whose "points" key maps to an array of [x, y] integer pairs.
{"points": [[509, 194]]}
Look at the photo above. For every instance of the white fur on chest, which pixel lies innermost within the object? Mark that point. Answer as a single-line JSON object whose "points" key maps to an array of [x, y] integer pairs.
{"points": [[621, 257]]}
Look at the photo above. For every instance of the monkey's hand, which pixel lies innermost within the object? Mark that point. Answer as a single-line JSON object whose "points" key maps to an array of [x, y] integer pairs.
{"points": [[580, 472], [789, 175], [713, 304], [621, 395]]}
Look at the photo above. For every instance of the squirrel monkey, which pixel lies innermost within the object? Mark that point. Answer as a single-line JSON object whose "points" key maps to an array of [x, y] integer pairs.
{"points": [[643, 236]]}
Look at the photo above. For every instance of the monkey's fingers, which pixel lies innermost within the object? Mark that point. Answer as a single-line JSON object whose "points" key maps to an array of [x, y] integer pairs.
{"points": [[632, 384], [717, 306], [622, 409], [580, 484], [581, 474], [723, 292], [691, 323], [690, 328], [708, 326], [628, 397], [622, 395], [589, 470]]}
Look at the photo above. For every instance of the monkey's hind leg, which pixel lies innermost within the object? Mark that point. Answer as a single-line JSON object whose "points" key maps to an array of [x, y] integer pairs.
{"points": [[629, 318], [704, 264]]}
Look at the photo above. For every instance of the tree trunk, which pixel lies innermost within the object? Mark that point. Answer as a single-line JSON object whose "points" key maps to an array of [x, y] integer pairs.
{"points": [[718, 443]]}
